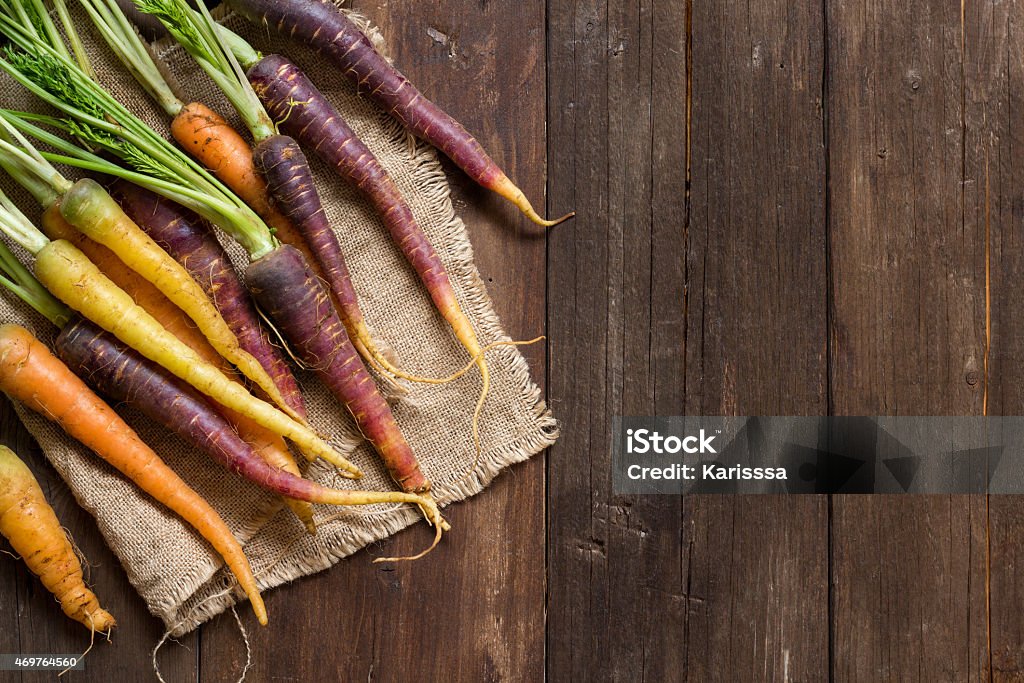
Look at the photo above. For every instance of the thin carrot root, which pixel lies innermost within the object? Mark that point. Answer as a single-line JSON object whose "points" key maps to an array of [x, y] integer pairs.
{"points": [[507, 189], [465, 368], [433, 515], [389, 385], [92, 641], [478, 361]]}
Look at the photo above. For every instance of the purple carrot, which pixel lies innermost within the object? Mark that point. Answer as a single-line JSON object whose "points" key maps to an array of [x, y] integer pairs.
{"points": [[286, 287], [187, 238], [305, 330], [304, 113], [280, 162], [125, 376], [324, 27]]}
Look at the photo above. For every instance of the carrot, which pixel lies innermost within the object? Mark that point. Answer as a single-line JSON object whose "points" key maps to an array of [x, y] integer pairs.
{"points": [[269, 446], [89, 113], [272, 177], [191, 242], [321, 25], [285, 285], [90, 209], [31, 527], [280, 161], [302, 110], [126, 376], [31, 374], [141, 290], [288, 290], [164, 169], [76, 281], [210, 139]]}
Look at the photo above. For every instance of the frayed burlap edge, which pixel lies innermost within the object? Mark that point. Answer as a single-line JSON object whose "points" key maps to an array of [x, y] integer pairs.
{"points": [[348, 532], [457, 486]]}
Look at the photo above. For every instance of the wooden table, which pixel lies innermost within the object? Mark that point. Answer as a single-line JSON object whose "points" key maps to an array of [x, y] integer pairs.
{"points": [[783, 208]]}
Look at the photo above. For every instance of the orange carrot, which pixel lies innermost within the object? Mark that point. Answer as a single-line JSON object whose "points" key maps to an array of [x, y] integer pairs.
{"points": [[205, 135], [31, 374]]}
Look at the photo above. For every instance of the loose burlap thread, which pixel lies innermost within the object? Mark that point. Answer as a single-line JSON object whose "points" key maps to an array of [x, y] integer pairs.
{"points": [[180, 578]]}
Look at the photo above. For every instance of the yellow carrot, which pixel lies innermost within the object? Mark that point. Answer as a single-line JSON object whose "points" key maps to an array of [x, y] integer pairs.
{"points": [[31, 374], [265, 443], [76, 281], [31, 527], [89, 208]]}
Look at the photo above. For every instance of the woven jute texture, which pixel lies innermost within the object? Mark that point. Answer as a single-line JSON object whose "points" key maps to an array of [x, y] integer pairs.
{"points": [[178, 575]]}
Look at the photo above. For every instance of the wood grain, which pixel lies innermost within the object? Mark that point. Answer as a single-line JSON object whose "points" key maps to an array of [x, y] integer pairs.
{"points": [[993, 182], [907, 330], [756, 330], [662, 305], [782, 209]]}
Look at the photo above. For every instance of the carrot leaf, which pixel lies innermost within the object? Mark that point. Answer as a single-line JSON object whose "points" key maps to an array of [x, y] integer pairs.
{"points": [[201, 37], [131, 50], [106, 123]]}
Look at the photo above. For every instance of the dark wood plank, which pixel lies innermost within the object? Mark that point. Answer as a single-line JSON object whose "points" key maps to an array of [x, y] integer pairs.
{"points": [[578, 332], [474, 609], [654, 309], [757, 330], [908, 321], [41, 627], [993, 97]]}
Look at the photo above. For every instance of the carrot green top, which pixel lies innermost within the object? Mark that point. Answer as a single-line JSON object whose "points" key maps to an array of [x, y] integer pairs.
{"points": [[16, 277], [129, 48], [97, 119], [198, 33]]}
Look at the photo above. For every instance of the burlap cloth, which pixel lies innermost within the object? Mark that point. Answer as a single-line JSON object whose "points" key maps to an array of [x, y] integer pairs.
{"points": [[177, 574]]}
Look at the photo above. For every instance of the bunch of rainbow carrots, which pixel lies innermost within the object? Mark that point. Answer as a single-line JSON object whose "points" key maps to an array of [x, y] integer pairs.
{"points": [[151, 312]]}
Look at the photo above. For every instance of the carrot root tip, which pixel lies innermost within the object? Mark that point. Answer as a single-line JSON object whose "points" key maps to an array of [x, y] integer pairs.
{"points": [[433, 514], [350, 474], [552, 223], [507, 189]]}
